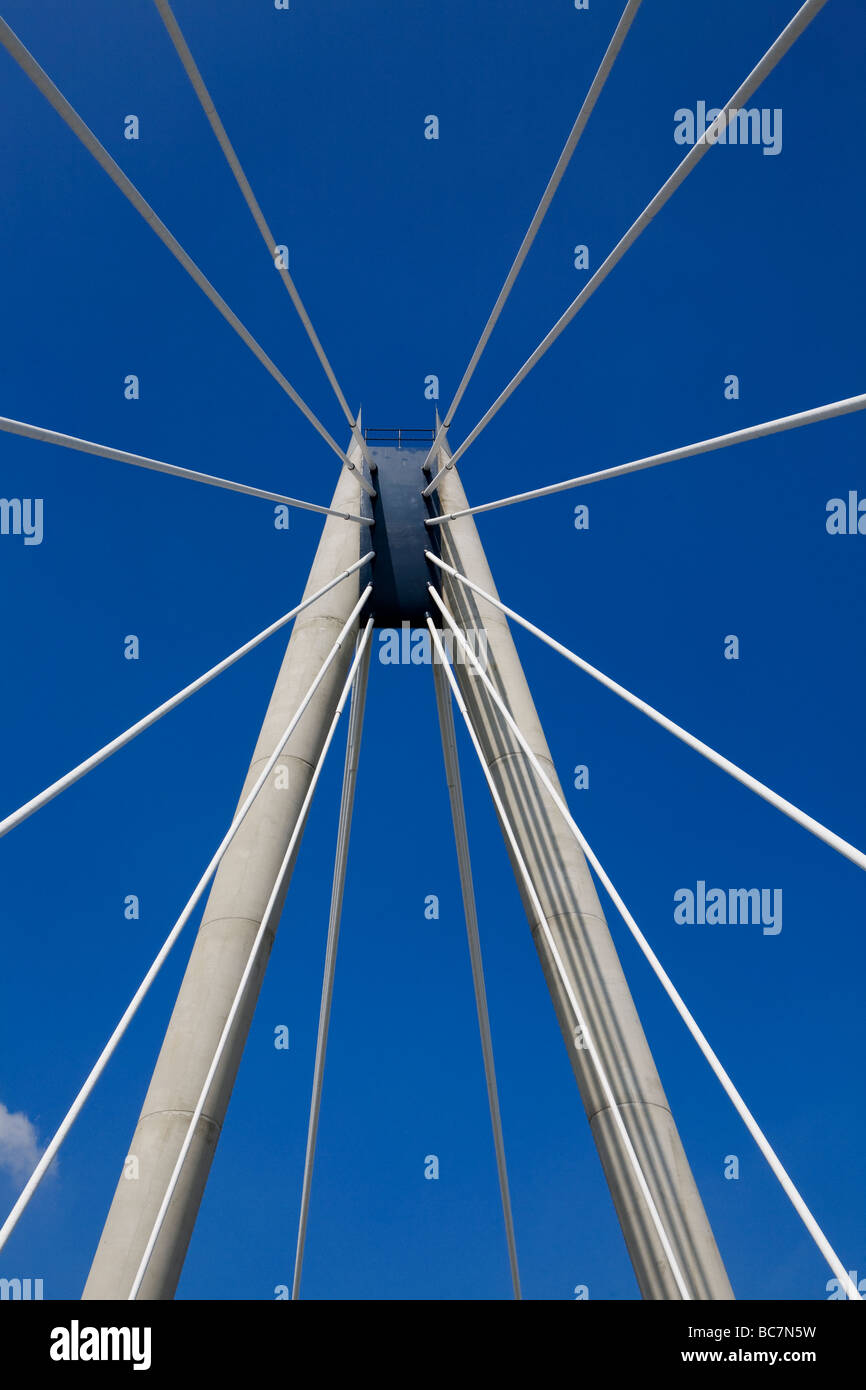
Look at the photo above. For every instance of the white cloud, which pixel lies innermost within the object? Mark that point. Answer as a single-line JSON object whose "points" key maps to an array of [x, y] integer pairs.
{"points": [[19, 1146]]}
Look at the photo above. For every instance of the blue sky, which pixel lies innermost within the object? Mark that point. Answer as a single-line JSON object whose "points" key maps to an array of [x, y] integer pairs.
{"points": [[399, 246]]}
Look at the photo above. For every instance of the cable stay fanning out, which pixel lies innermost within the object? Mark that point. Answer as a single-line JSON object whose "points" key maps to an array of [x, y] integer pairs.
{"points": [[105, 1056], [562, 164], [347, 803], [673, 994], [267, 924], [704, 446], [29, 65], [540, 917], [461, 837], [105, 451], [774, 54], [37, 802], [786, 807], [207, 104]]}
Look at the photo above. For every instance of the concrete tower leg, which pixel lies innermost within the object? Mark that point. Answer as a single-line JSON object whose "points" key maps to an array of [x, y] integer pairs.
{"points": [[577, 924], [231, 919]]}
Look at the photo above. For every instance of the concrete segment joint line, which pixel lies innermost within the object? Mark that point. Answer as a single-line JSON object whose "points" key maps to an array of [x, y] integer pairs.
{"points": [[575, 912], [633, 1105], [184, 1114], [211, 921]]}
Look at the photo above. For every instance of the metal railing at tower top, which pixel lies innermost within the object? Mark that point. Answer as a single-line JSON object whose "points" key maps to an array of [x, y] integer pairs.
{"points": [[411, 438]]}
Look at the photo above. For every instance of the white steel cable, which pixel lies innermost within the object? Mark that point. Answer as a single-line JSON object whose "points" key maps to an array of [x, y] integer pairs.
{"points": [[105, 1056], [562, 163], [87, 446], [347, 801], [461, 837], [207, 104], [787, 808], [36, 802], [248, 969], [792, 31], [661, 974], [40, 79], [704, 446], [564, 980]]}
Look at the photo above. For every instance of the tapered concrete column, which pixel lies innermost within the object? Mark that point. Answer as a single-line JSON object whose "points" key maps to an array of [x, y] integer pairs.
{"points": [[231, 920], [577, 924]]}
